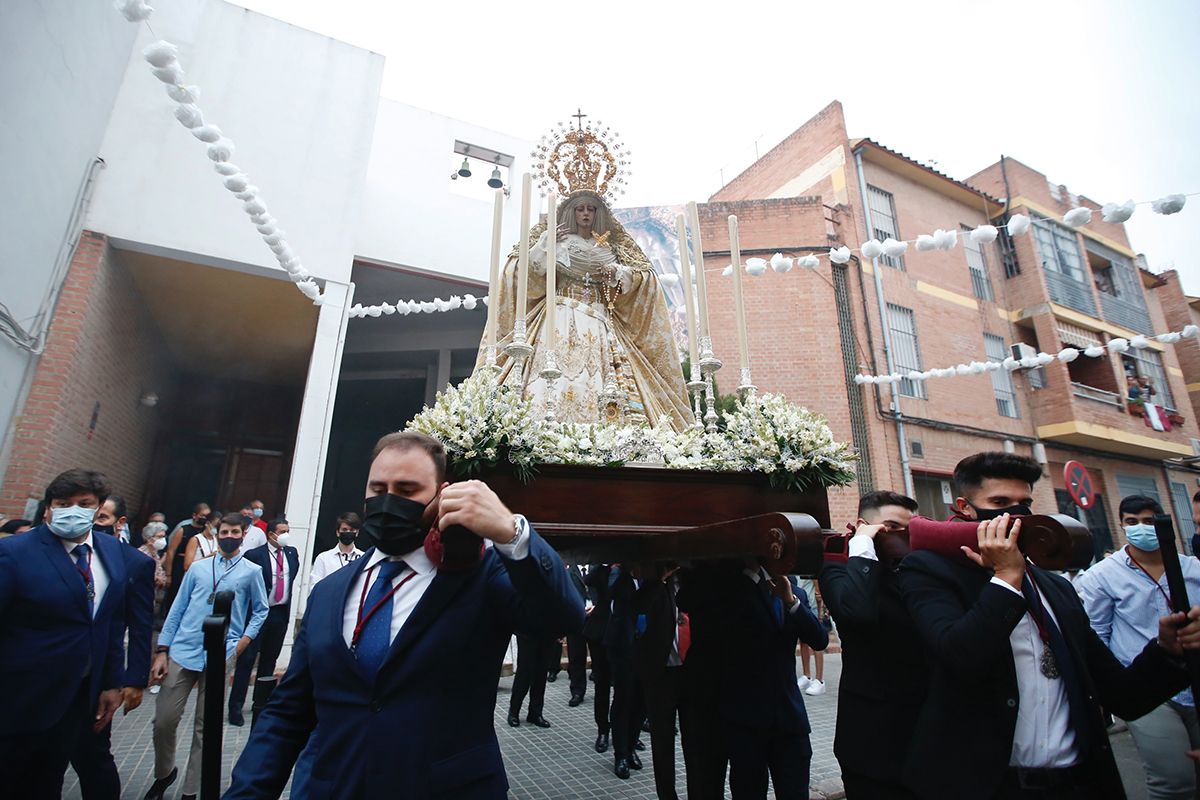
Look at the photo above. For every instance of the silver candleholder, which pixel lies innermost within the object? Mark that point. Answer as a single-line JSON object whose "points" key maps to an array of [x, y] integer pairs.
{"points": [[490, 358], [696, 387], [710, 403], [551, 373], [519, 348], [746, 387], [709, 363]]}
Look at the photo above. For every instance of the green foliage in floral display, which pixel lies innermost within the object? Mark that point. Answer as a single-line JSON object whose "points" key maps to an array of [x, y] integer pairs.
{"points": [[483, 425]]}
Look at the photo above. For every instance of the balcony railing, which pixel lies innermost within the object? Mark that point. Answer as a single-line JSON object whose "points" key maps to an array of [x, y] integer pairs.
{"points": [[1099, 395], [1126, 314], [1070, 292]]}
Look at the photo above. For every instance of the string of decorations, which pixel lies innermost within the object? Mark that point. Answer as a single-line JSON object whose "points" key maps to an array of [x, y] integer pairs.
{"points": [[163, 58], [468, 302], [1011, 364]]}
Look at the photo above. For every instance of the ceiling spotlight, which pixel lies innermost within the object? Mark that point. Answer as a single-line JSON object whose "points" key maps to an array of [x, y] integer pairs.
{"points": [[465, 169], [495, 181]]}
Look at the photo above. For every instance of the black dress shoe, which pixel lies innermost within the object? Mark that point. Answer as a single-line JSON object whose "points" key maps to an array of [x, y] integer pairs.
{"points": [[551, 677], [646, 725], [639, 745], [160, 786], [514, 719], [576, 699], [236, 719], [602, 743], [634, 761], [539, 720], [187, 797], [621, 769]]}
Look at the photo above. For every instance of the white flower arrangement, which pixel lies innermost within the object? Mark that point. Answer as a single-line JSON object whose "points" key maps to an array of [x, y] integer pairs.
{"points": [[482, 424]]}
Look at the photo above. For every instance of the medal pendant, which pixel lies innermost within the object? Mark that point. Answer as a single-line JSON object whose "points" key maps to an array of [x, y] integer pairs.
{"points": [[213, 597], [1049, 664], [91, 591]]}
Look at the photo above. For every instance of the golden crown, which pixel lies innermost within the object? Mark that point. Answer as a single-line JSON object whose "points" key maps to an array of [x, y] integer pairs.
{"points": [[582, 157]]}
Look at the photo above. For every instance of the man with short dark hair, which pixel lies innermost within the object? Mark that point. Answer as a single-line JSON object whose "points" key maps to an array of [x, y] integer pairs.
{"points": [[259, 511], [1124, 596], [1017, 675], [177, 546], [180, 660], [1195, 540], [280, 564], [256, 535], [62, 627], [343, 553], [395, 645], [883, 663]]}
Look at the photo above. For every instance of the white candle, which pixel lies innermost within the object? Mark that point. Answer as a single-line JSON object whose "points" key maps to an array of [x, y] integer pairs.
{"points": [[698, 263], [494, 278], [735, 252], [551, 324], [686, 274], [523, 249]]}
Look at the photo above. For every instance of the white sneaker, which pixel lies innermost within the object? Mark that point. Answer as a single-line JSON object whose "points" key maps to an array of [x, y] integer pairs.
{"points": [[803, 682], [815, 688], [154, 689]]}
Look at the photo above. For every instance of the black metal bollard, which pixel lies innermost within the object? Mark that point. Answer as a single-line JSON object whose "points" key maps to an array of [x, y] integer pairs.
{"points": [[216, 627], [1165, 530]]}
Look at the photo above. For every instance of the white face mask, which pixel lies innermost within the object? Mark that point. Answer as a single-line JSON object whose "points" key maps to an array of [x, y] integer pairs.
{"points": [[283, 539], [160, 544]]}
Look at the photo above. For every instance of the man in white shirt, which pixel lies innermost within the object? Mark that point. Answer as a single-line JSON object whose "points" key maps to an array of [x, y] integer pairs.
{"points": [[1125, 594], [400, 658], [346, 552], [1017, 674]]}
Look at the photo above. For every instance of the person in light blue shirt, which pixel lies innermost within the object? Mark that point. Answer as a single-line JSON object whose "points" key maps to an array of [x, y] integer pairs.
{"points": [[1124, 595], [180, 660]]}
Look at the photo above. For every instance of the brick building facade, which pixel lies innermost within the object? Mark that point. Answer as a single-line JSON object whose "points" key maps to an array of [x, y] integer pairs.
{"points": [[1050, 288]]}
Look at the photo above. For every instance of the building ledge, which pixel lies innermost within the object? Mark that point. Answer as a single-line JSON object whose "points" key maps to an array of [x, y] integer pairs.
{"points": [[1113, 440]]}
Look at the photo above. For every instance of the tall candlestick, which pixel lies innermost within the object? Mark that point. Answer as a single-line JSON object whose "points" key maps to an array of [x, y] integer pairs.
{"points": [[739, 310], [685, 269], [550, 326], [523, 249], [494, 278], [701, 284]]}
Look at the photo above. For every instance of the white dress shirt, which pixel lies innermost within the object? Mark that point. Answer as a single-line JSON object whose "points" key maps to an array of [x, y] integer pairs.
{"points": [[1043, 737], [99, 573], [276, 576], [407, 597], [862, 546], [330, 562]]}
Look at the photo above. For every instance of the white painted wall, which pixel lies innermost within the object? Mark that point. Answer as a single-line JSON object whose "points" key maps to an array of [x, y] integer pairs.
{"points": [[61, 64], [299, 106], [410, 215]]}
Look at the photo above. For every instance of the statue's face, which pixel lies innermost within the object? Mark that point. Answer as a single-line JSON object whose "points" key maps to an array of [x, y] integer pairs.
{"points": [[585, 215]]}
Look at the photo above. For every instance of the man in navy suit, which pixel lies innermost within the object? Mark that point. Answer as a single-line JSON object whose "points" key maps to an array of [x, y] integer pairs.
{"points": [[62, 627], [400, 659], [280, 564], [92, 759]]}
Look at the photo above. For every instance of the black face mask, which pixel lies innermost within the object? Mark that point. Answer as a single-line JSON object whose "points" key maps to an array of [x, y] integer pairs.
{"points": [[393, 523], [347, 537], [1019, 510], [108, 529], [247, 521], [229, 545]]}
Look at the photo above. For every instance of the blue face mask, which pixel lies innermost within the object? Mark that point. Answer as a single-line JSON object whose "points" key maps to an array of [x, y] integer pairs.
{"points": [[72, 522], [1142, 536], [258, 512]]}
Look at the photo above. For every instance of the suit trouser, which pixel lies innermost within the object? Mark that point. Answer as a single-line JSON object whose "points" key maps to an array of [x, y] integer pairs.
{"points": [[860, 786], [703, 739], [266, 648], [577, 663], [32, 765], [628, 709], [753, 752], [172, 698], [664, 692], [93, 762], [533, 658], [602, 677], [1163, 738]]}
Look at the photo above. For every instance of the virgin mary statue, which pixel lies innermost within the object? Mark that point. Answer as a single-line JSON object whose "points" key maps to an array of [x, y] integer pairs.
{"points": [[615, 347]]}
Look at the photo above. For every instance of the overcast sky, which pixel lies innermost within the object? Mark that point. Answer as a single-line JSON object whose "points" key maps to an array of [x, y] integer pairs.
{"points": [[1101, 96]]}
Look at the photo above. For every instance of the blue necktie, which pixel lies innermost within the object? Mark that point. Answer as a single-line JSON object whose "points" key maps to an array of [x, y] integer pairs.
{"points": [[376, 636], [83, 565]]}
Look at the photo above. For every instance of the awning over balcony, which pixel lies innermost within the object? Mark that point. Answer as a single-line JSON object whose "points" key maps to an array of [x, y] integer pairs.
{"points": [[1075, 336], [1114, 440]]}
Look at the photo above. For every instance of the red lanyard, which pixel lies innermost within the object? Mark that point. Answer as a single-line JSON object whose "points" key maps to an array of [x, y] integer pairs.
{"points": [[1146, 572], [86, 571], [362, 599]]}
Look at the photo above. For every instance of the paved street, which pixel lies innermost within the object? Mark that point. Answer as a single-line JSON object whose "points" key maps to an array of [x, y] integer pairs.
{"points": [[555, 764]]}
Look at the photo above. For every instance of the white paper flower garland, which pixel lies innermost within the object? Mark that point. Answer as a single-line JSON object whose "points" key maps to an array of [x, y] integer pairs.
{"points": [[1066, 355]]}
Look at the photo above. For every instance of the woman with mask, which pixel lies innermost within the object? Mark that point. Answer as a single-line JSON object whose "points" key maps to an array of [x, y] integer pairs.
{"points": [[1124, 596], [204, 544], [154, 543]]}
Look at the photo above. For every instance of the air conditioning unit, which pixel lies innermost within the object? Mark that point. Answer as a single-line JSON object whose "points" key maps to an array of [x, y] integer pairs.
{"points": [[1021, 350]]}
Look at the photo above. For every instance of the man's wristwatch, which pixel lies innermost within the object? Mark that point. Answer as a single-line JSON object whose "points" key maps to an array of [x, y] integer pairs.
{"points": [[163, 649]]}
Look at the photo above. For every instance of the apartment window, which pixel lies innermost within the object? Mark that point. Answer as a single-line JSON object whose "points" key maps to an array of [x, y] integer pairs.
{"points": [[1002, 382], [883, 219], [1059, 249], [1008, 251], [977, 265], [906, 348], [1149, 364]]}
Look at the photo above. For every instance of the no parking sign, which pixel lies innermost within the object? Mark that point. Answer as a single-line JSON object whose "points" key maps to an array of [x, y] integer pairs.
{"points": [[1079, 484]]}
